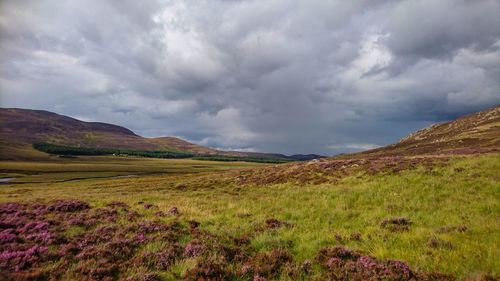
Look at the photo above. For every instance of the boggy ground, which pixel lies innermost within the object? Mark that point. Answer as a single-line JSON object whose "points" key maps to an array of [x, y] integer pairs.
{"points": [[342, 221]]}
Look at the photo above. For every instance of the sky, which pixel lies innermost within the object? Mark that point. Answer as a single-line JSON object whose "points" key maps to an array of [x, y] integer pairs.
{"points": [[290, 77]]}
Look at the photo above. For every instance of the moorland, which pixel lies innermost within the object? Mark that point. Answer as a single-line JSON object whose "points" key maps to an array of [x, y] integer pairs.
{"points": [[425, 208]]}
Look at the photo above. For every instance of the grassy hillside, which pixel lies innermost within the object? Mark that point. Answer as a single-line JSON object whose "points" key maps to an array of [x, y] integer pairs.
{"points": [[474, 133], [20, 128]]}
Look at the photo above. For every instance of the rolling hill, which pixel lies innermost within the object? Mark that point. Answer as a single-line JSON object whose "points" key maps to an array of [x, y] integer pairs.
{"points": [[20, 128], [477, 132]]}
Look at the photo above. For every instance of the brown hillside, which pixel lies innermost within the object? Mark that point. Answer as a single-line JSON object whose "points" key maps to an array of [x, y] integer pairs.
{"points": [[19, 128], [477, 132]]}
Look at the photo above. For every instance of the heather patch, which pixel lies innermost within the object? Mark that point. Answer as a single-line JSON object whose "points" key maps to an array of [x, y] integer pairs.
{"points": [[341, 263], [67, 206], [327, 170], [396, 224], [101, 251], [268, 264], [438, 243], [338, 237], [355, 236], [173, 211], [274, 223], [110, 247], [208, 269]]}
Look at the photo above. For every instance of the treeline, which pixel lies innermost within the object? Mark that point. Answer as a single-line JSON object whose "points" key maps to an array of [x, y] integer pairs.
{"points": [[71, 150], [257, 159], [63, 150]]}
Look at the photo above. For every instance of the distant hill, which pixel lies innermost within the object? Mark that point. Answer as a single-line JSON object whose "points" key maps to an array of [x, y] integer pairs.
{"points": [[20, 128], [305, 157], [477, 132]]}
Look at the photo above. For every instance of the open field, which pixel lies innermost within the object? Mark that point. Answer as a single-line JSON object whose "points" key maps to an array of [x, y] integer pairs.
{"points": [[58, 169], [453, 205]]}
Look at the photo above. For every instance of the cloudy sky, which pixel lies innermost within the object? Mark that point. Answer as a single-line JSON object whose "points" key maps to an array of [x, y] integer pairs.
{"points": [[312, 76]]}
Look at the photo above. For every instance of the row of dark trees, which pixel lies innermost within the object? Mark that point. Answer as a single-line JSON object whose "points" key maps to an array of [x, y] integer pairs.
{"points": [[72, 151]]}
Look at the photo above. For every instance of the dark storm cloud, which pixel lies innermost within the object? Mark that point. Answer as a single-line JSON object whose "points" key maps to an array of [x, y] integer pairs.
{"points": [[276, 76], [424, 30]]}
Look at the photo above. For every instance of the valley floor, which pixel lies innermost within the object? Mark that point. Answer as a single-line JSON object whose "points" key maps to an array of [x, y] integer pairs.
{"points": [[442, 216]]}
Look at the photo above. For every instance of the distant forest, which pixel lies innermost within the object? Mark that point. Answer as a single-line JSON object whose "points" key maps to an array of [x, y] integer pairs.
{"points": [[73, 151]]}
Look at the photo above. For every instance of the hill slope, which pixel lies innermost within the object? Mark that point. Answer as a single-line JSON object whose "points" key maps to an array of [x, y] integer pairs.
{"points": [[19, 128], [477, 132]]}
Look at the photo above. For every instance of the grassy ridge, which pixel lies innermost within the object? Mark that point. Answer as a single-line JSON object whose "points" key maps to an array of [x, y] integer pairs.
{"points": [[465, 191]]}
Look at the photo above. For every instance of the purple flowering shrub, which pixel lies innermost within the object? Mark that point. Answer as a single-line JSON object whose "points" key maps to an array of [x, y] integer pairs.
{"points": [[194, 248], [8, 236], [328, 170], [268, 264], [67, 206], [344, 264], [148, 206], [21, 259], [132, 216], [163, 259], [438, 243], [356, 236], [160, 214], [338, 237], [98, 253], [274, 223], [207, 269], [173, 211], [45, 238], [232, 254], [396, 224]]}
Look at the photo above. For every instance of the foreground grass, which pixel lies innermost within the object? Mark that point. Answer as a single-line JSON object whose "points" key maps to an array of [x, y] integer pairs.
{"points": [[465, 191]]}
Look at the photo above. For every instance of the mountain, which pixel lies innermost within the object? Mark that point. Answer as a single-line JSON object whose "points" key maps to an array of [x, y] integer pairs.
{"points": [[20, 128], [477, 132]]}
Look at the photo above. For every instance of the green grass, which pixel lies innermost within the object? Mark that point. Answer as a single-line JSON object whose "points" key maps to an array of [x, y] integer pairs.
{"points": [[357, 203]]}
